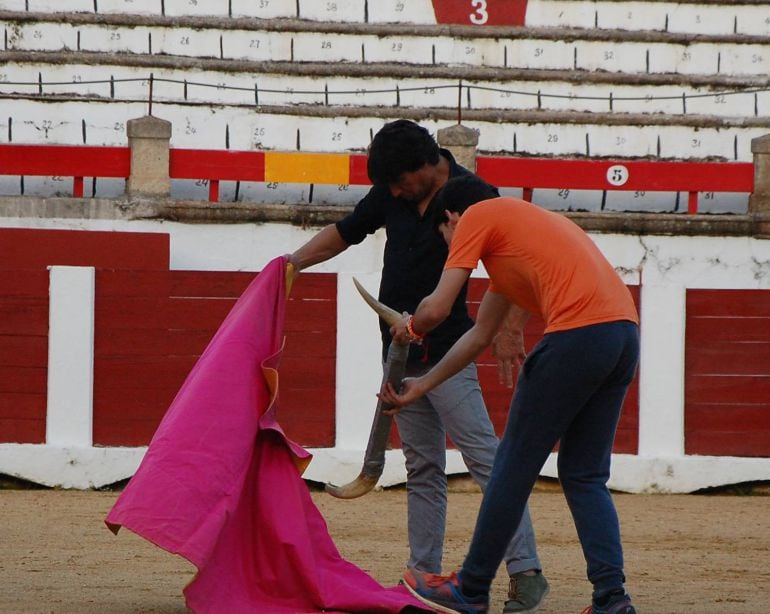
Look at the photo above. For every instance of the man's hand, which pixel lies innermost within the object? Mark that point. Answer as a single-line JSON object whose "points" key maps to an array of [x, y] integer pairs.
{"points": [[400, 330], [411, 390], [508, 348]]}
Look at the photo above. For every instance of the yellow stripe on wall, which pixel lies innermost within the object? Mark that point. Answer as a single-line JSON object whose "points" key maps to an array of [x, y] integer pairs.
{"points": [[295, 167]]}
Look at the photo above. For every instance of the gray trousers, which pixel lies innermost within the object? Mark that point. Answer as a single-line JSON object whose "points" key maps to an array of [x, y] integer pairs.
{"points": [[456, 408]]}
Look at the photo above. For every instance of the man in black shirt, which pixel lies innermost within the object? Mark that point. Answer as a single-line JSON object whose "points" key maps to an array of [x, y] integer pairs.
{"points": [[407, 168]]}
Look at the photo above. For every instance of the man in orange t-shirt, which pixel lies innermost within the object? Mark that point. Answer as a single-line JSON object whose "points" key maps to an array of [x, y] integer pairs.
{"points": [[570, 388]]}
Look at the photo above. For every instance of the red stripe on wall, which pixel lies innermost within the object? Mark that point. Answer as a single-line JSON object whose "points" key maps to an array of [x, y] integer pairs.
{"points": [[66, 160], [593, 174], [217, 164], [357, 170]]}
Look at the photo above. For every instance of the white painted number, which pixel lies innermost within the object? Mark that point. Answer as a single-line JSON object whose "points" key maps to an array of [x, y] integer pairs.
{"points": [[617, 174], [480, 16]]}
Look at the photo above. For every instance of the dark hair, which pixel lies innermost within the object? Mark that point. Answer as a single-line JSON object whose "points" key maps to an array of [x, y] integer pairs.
{"points": [[399, 147], [459, 193]]}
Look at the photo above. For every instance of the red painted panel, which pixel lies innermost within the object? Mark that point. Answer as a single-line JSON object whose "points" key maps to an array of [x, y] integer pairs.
{"points": [[132, 283], [210, 283], [727, 417], [713, 330], [727, 372], [19, 282], [23, 380], [24, 351], [752, 443], [299, 373], [308, 365], [24, 316], [498, 398], [131, 312], [35, 248], [729, 303], [153, 326], [217, 164], [22, 431], [729, 358], [727, 389], [22, 406], [198, 313], [304, 415], [487, 13], [143, 381]]}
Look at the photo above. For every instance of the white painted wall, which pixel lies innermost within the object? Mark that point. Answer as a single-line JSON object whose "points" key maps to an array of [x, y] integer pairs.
{"points": [[666, 266], [69, 421]]}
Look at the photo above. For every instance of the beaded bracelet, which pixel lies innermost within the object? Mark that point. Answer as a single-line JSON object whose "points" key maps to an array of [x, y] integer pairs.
{"points": [[414, 336]]}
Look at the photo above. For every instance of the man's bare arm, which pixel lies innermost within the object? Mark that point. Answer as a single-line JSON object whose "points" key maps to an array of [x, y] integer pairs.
{"points": [[434, 308], [492, 310], [323, 246]]}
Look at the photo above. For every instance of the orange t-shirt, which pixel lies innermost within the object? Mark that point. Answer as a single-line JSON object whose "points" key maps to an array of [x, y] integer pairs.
{"points": [[543, 262]]}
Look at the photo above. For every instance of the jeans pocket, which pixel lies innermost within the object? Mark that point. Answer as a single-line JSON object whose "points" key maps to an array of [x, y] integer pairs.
{"points": [[534, 357]]}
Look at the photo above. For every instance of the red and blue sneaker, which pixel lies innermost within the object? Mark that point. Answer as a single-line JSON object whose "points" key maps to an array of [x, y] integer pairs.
{"points": [[443, 593], [618, 604]]}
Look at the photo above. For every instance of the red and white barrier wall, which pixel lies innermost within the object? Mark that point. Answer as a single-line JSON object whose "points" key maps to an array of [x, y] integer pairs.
{"points": [[102, 320]]}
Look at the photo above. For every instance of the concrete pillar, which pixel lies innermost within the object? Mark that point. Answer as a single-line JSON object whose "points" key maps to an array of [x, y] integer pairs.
{"points": [[759, 201], [462, 142], [149, 138]]}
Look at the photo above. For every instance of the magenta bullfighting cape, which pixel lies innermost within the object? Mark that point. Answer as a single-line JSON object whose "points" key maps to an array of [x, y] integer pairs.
{"points": [[221, 483]]}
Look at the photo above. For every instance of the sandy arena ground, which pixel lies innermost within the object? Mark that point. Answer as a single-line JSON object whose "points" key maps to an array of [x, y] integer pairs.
{"points": [[684, 553]]}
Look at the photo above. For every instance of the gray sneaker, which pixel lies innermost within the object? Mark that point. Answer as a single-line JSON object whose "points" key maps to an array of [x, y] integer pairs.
{"points": [[526, 593]]}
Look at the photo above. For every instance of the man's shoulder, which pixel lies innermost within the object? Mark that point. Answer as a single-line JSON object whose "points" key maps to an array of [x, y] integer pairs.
{"points": [[455, 169]]}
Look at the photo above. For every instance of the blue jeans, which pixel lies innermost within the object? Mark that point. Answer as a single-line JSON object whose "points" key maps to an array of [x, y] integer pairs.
{"points": [[570, 390], [457, 408]]}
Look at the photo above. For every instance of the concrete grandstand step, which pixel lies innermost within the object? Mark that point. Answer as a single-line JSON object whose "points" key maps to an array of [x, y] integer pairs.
{"points": [[67, 120], [747, 17], [302, 41], [687, 16], [125, 77]]}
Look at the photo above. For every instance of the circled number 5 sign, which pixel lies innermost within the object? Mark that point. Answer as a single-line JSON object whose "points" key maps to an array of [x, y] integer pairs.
{"points": [[617, 175]]}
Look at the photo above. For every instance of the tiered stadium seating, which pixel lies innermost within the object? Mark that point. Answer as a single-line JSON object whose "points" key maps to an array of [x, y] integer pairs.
{"points": [[601, 79]]}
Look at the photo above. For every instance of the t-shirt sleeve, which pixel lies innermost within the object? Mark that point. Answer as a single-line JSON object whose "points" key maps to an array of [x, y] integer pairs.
{"points": [[468, 242], [367, 217]]}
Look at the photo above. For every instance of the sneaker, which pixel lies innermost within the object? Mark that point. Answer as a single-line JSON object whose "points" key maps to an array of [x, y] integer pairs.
{"points": [[443, 593], [526, 593], [621, 605]]}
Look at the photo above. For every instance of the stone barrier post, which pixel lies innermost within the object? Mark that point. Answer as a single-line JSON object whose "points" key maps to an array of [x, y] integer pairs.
{"points": [[462, 142], [759, 201], [149, 138]]}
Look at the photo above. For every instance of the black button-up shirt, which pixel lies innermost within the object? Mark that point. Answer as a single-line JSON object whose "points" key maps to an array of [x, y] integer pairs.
{"points": [[412, 265]]}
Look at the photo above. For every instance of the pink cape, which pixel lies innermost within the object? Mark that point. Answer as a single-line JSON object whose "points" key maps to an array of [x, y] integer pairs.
{"points": [[221, 484]]}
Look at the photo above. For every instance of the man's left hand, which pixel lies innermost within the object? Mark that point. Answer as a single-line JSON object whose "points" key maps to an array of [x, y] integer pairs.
{"points": [[508, 348]]}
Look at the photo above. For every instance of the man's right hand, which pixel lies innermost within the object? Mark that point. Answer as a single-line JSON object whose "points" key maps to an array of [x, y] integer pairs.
{"points": [[411, 390], [400, 330]]}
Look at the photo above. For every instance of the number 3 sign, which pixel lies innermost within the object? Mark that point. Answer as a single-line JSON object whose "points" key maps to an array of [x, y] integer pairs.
{"points": [[481, 12]]}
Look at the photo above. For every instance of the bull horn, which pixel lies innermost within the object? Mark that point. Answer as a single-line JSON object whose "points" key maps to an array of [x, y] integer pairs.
{"points": [[390, 316], [374, 457]]}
